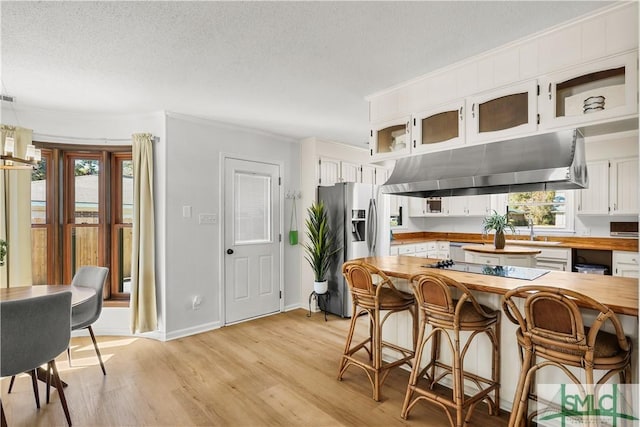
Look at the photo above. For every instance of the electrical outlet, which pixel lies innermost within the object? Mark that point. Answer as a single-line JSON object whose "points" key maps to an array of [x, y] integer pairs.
{"points": [[586, 232], [204, 218], [196, 302]]}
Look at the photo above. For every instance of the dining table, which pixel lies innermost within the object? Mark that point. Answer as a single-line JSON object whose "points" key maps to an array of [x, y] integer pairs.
{"points": [[78, 296]]}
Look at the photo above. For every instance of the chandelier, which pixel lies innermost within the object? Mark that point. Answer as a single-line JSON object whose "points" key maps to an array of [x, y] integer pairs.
{"points": [[31, 158]]}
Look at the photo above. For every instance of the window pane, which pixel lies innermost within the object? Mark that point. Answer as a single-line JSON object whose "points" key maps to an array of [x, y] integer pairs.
{"points": [[39, 255], [543, 208], [84, 247], [252, 208], [87, 191], [126, 171], [39, 193], [124, 259]]}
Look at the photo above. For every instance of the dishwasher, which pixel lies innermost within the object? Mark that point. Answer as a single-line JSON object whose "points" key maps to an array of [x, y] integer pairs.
{"points": [[457, 253]]}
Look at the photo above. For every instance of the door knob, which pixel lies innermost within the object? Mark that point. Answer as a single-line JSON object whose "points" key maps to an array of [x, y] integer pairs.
{"points": [[229, 251]]}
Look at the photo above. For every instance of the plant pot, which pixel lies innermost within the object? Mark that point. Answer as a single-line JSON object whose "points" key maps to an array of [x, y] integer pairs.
{"points": [[499, 240], [321, 287]]}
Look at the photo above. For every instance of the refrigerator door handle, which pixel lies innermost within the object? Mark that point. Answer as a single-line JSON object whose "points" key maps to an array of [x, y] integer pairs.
{"points": [[374, 222], [369, 224]]}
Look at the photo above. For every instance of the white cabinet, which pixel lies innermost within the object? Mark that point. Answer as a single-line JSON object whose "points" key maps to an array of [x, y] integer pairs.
{"points": [[350, 172], [595, 199], [613, 188], [623, 196], [595, 91], [502, 113], [625, 264], [409, 250], [398, 210], [500, 259], [554, 259], [442, 250], [431, 206], [390, 140], [332, 171], [328, 171], [468, 205], [438, 128], [373, 175]]}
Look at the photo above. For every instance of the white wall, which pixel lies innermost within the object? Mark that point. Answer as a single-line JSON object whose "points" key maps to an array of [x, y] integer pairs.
{"points": [[194, 263], [99, 129]]}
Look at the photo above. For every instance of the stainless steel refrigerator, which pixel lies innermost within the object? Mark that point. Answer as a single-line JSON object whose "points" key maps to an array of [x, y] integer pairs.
{"points": [[359, 215]]}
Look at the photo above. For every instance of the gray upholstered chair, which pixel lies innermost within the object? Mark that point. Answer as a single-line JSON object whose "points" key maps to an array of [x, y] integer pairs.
{"points": [[34, 331], [85, 314]]}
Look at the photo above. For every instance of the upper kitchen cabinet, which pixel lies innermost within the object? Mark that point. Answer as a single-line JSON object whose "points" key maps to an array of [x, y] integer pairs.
{"points": [[390, 139], [613, 188], [438, 128], [502, 113], [624, 186], [468, 205], [332, 171], [373, 175], [431, 206], [597, 91]]}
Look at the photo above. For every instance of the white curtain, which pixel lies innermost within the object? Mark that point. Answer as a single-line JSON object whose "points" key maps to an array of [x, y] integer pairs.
{"points": [[15, 206], [143, 277]]}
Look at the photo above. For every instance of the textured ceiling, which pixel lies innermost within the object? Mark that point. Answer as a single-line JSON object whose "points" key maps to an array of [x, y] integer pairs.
{"points": [[297, 69]]}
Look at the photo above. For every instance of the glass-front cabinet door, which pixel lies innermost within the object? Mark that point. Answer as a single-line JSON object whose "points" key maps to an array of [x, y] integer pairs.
{"points": [[500, 114], [596, 91], [439, 128], [390, 139]]}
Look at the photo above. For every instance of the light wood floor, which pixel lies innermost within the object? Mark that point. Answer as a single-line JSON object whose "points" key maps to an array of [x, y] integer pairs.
{"points": [[279, 370]]}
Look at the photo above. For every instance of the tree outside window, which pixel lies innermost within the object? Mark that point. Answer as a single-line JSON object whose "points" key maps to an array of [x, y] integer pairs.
{"points": [[545, 208]]}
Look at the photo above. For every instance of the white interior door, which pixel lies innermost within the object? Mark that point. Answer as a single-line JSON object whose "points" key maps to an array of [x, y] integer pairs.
{"points": [[252, 239]]}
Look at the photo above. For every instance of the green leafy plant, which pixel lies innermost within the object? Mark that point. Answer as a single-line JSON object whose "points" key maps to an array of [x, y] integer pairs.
{"points": [[497, 222], [321, 244], [3, 251]]}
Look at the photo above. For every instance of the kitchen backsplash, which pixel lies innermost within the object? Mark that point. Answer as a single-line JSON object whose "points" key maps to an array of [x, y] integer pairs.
{"points": [[596, 226]]}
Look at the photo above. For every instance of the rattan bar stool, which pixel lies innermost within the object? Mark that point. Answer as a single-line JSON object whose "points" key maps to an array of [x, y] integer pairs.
{"points": [[448, 317], [373, 298], [553, 329]]}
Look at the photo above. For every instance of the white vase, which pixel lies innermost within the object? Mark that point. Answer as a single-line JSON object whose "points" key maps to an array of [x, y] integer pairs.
{"points": [[321, 287]]}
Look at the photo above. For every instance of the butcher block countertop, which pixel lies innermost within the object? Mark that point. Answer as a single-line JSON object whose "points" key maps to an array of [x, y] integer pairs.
{"points": [[618, 293], [507, 250], [600, 243]]}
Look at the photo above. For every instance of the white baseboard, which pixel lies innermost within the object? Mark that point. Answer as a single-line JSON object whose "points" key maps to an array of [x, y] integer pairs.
{"points": [[292, 307], [206, 327]]}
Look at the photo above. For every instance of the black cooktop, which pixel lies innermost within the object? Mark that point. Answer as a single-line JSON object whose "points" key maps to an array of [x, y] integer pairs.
{"points": [[509, 271]]}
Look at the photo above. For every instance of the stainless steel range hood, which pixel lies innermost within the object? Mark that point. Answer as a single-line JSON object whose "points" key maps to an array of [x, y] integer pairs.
{"points": [[552, 161]]}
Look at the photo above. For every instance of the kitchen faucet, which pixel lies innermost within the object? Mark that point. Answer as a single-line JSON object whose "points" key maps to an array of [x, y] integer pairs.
{"points": [[531, 235]]}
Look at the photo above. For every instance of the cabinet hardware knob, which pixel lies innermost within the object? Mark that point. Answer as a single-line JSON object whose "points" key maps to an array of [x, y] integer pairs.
{"points": [[473, 110], [549, 90], [461, 108]]}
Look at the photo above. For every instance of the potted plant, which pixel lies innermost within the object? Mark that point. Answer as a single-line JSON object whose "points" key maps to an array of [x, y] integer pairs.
{"points": [[499, 223], [3, 251], [320, 246]]}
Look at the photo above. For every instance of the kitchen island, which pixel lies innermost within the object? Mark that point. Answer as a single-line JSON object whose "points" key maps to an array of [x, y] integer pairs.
{"points": [[509, 255], [618, 293]]}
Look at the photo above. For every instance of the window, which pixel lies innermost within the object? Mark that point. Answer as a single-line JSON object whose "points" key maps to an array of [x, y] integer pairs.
{"points": [[87, 219], [546, 209]]}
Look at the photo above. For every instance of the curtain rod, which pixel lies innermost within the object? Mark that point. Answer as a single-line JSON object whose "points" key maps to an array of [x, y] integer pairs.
{"points": [[79, 138]]}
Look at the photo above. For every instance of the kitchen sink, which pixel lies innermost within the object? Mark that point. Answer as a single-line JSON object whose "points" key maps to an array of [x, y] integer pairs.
{"points": [[530, 243]]}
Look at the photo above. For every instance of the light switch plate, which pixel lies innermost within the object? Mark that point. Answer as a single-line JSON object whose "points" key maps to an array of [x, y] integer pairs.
{"points": [[205, 218], [186, 211]]}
